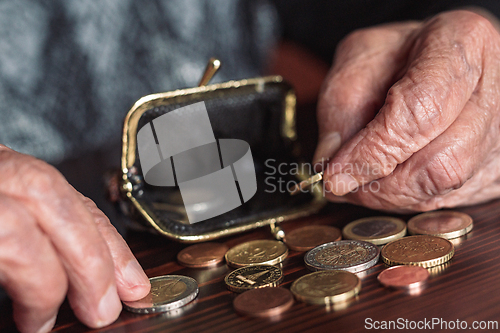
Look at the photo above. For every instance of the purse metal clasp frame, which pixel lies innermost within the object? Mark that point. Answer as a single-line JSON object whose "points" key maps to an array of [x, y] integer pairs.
{"points": [[129, 177]]}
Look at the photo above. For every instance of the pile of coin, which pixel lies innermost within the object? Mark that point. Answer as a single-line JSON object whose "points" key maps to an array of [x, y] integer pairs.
{"points": [[336, 263]]}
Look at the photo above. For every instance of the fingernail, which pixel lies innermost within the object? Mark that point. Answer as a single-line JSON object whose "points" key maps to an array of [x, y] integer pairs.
{"points": [[134, 275], [327, 146], [47, 327], [109, 307], [341, 184]]}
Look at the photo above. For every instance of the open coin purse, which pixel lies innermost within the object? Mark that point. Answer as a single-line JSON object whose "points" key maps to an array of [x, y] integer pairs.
{"points": [[250, 133]]}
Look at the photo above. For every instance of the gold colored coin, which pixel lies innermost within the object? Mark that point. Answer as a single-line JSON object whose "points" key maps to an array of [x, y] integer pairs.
{"points": [[263, 252], [252, 277], [377, 230], [326, 287], [446, 223], [422, 250]]}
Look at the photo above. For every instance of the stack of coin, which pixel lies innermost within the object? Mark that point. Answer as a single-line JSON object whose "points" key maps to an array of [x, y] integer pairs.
{"points": [[253, 277], [422, 250], [266, 252], [167, 292], [326, 287], [378, 230], [447, 224], [308, 237], [263, 302], [202, 255], [349, 255]]}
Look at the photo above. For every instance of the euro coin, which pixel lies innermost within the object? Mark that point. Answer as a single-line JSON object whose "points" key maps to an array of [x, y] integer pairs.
{"points": [[377, 230], [263, 302], [403, 277], [308, 237], [202, 255], [326, 287], [262, 252], [167, 292], [421, 250], [253, 277], [349, 255], [446, 223]]}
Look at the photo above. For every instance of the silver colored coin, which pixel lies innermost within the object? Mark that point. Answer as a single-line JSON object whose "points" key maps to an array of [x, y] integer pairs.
{"points": [[348, 255], [168, 292]]}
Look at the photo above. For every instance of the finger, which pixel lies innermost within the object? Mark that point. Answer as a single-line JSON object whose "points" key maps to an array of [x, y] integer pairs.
{"points": [[69, 225], [366, 64], [30, 270], [419, 107], [131, 281]]}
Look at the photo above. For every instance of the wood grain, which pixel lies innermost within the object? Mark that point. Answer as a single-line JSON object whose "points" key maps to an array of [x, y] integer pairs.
{"points": [[466, 289]]}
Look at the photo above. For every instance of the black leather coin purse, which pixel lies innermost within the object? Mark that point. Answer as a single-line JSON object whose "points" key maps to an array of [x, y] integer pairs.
{"points": [[259, 112]]}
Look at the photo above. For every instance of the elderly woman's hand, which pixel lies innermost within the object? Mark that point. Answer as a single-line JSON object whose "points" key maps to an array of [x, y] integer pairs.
{"points": [[409, 115], [55, 242]]}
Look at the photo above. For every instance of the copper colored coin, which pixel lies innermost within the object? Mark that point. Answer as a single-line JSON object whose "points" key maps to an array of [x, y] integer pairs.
{"points": [[202, 255], [403, 276], [306, 238], [445, 223], [263, 302], [421, 250]]}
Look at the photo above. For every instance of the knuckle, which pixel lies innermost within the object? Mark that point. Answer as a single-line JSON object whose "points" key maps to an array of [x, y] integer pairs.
{"points": [[421, 118], [475, 22], [443, 174], [99, 217], [381, 148], [353, 39], [13, 239], [40, 178], [368, 36]]}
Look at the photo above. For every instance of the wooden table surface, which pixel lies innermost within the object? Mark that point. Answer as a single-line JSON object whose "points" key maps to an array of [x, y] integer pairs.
{"points": [[468, 288]]}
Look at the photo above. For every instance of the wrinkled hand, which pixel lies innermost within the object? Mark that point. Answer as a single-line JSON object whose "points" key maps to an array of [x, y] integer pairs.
{"points": [[409, 115], [55, 242]]}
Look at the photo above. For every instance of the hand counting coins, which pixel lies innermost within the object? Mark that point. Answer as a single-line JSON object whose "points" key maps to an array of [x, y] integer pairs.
{"points": [[167, 292], [202, 255], [263, 302], [447, 224], [422, 250], [349, 255], [326, 287], [253, 277], [377, 230], [403, 277], [262, 252], [308, 237]]}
